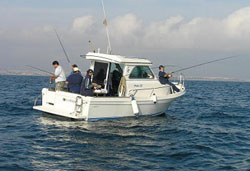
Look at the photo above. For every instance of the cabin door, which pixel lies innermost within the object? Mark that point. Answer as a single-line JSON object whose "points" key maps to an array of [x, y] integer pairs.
{"points": [[101, 71]]}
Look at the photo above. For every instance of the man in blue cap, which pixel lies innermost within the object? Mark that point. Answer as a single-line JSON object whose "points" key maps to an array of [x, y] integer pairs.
{"points": [[87, 86], [164, 78]]}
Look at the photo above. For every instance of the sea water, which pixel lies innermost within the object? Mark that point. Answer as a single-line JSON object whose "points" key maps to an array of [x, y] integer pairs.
{"points": [[206, 129]]}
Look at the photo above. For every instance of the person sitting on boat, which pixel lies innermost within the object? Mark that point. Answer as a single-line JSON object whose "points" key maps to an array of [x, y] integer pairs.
{"points": [[164, 78], [59, 76], [74, 66], [74, 81], [115, 79], [87, 86]]}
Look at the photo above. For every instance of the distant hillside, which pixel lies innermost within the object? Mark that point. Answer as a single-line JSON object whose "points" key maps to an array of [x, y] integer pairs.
{"points": [[21, 72], [214, 79], [37, 73]]}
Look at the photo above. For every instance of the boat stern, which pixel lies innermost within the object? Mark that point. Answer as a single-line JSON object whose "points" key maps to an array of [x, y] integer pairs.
{"points": [[64, 104]]}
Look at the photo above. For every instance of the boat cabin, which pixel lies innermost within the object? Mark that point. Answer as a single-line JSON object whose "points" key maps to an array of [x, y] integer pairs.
{"points": [[118, 75]]}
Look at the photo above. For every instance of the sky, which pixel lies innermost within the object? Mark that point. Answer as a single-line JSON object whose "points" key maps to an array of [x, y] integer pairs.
{"points": [[181, 33]]}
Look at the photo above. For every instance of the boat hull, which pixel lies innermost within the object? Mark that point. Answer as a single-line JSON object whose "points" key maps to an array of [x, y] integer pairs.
{"points": [[79, 107]]}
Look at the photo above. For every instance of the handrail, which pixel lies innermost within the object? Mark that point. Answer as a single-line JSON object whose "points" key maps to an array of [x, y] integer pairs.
{"points": [[145, 89], [181, 81], [36, 99]]}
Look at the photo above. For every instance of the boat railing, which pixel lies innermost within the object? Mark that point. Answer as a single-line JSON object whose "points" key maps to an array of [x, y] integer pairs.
{"points": [[181, 82], [134, 91], [37, 98]]}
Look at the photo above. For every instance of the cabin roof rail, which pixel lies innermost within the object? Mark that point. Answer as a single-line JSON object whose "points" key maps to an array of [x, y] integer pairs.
{"points": [[116, 59]]}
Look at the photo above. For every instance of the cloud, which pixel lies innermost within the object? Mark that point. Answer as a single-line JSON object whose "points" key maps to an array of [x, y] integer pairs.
{"points": [[163, 33], [127, 25], [176, 38], [229, 34], [225, 34], [238, 23], [47, 28], [83, 24]]}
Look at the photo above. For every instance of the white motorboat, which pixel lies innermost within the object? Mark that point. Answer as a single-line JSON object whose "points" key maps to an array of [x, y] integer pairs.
{"points": [[129, 88]]}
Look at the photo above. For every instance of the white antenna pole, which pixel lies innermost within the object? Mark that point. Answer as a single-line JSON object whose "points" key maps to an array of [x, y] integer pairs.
{"points": [[107, 30]]}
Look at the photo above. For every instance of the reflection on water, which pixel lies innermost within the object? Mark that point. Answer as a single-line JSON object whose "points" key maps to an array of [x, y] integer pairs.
{"points": [[121, 127], [105, 142]]}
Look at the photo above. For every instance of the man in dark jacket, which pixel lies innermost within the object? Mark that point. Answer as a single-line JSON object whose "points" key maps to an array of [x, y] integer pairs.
{"points": [[164, 78], [74, 81], [87, 85]]}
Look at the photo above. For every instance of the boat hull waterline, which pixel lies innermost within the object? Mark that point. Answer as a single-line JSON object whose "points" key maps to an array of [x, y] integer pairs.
{"points": [[79, 107]]}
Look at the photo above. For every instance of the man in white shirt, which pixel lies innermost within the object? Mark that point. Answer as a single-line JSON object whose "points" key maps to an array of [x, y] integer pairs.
{"points": [[59, 76]]}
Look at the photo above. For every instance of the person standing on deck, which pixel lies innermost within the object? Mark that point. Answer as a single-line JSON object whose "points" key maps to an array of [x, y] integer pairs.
{"points": [[164, 78], [59, 76], [74, 81]]}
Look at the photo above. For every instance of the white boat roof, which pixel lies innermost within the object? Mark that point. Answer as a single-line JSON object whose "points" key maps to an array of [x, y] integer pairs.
{"points": [[116, 59]]}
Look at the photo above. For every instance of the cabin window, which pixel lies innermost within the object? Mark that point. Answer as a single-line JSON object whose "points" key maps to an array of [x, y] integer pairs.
{"points": [[118, 67], [100, 73], [141, 72]]}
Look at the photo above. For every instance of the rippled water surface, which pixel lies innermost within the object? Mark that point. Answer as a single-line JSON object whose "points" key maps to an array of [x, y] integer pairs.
{"points": [[207, 129]]}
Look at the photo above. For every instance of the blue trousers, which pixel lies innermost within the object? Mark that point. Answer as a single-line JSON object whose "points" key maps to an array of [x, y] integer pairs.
{"points": [[173, 86]]}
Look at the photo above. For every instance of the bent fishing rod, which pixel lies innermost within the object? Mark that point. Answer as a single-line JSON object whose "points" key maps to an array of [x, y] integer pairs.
{"points": [[39, 69], [65, 53], [205, 63]]}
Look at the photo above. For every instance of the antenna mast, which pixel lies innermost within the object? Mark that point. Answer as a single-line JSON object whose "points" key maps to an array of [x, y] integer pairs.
{"points": [[107, 30]]}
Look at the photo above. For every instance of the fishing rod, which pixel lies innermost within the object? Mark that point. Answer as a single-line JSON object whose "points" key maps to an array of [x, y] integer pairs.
{"points": [[39, 69], [65, 53], [166, 66], [209, 62]]}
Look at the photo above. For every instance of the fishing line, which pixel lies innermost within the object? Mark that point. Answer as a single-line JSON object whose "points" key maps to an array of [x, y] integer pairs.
{"points": [[209, 62]]}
